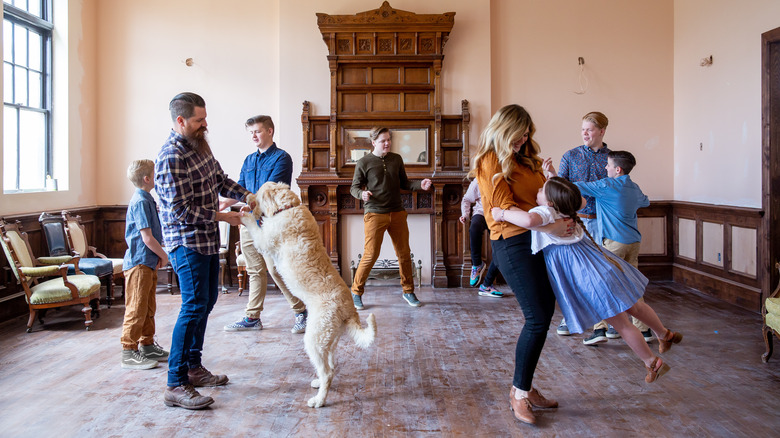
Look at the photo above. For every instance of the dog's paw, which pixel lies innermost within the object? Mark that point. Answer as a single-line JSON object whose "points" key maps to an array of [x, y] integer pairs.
{"points": [[316, 402], [315, 383]]}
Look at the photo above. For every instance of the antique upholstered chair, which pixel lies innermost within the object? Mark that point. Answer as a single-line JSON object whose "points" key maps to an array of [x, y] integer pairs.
{"points": [[771, 313], [77, 236], [41, 294], [59, 245]]}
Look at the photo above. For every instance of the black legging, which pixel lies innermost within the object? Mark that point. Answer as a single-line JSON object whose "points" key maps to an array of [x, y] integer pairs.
{"points": [[526, 275], [476, 230]]}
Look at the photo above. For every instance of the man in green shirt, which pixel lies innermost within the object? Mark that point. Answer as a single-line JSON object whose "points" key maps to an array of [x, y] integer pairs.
{"points": [[379, 178]]}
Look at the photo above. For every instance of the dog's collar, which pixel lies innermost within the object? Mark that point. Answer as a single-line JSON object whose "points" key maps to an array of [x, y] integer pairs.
{"points": [[283, 209]]}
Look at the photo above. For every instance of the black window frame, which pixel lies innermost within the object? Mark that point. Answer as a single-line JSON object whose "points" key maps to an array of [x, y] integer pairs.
{"points": [[44, 26]]}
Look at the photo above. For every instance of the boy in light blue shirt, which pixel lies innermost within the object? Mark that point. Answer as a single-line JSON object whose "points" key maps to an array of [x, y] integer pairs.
{"points": [[617, 200], [143, 234]]}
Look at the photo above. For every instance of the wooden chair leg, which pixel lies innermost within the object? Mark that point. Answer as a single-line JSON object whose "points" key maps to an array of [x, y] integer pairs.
{"points": [[31, 321], [170, 279], [87, 311], [241, 279], [109, 288], [768, 334]]}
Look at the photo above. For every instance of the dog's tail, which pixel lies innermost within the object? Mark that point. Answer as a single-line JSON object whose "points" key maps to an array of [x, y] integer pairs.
{"points": [[363, 336]]}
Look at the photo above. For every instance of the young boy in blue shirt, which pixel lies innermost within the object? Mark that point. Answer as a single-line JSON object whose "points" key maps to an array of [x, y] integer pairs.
{"points": [[617, 200], [144, 256]]}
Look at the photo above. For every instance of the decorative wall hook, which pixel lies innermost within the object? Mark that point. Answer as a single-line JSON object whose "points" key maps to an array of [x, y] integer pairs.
{"points": [[706, 62]]}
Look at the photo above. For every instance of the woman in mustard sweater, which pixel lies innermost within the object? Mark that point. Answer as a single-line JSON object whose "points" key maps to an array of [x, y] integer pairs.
{"points": [[509, 172]]}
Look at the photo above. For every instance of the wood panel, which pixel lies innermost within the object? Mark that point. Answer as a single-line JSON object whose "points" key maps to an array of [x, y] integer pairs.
{"points": [[386, 102], [417, 102]]}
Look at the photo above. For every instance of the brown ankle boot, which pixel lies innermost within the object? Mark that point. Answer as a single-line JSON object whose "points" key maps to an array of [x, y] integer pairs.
{"points": [[656, 369], [665, 342]]}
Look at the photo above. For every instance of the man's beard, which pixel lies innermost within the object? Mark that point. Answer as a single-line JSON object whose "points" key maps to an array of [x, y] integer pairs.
{"points": [[198, 142]]}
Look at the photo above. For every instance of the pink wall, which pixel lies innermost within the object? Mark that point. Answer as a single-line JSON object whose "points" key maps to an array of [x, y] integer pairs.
{"points": [[143, 45], [627, 47], [719, 107]]}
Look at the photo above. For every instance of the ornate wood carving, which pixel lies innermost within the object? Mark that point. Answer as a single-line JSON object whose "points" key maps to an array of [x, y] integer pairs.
{"points": [[385, 69]]}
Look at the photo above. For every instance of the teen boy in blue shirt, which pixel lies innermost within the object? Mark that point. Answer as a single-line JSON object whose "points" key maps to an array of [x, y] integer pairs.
{"points": [[267, 163]]}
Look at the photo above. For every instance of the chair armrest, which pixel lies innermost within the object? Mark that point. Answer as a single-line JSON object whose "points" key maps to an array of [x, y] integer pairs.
{"points": [[54, 260], [94, 252], [43, 271]]}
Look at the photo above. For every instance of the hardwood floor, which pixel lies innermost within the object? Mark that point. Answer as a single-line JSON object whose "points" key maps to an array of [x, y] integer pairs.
{"points": [[444, 369]]}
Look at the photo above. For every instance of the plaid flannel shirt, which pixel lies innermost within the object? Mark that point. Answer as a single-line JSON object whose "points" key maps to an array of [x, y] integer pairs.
{"points": [[188, 185]]}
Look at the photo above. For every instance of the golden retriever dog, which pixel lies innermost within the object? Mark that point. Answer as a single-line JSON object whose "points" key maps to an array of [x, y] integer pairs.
{"points": [[290, 236]]}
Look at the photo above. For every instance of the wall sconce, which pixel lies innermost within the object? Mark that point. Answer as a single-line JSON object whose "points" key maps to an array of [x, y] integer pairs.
{"points": [[188, 62], [706, 62]]}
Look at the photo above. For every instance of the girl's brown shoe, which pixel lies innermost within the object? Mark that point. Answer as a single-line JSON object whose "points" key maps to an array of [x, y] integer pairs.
{"points": [[665, 342], [656, 369]]}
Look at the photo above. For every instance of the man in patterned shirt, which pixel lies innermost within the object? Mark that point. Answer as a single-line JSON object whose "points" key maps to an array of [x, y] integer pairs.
{"points": [[588, 163], [189, 181]]}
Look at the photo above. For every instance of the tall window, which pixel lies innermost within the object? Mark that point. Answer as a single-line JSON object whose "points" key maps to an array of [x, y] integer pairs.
{"points": [[27, 154]]}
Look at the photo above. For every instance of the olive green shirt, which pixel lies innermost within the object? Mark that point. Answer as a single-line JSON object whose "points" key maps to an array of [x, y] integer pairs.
{"points": [[384, 177]]}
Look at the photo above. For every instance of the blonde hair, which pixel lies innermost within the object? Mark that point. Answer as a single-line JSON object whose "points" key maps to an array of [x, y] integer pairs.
{"points": [[505, 128], [138, 169], [599, 119]]}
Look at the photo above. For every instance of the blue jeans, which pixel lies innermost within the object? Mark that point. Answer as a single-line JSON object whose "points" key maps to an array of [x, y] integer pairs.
{"points": [[198, 276], [526, 275]]}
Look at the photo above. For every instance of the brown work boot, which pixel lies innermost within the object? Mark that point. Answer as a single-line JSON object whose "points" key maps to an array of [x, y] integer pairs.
{"points": [[186, 396], [202, 377]]}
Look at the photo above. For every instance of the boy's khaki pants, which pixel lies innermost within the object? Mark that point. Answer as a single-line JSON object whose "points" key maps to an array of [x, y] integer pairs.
{"points": [[630, 253], [140, 307]]}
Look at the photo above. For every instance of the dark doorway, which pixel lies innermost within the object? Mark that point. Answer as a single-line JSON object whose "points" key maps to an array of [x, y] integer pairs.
{"points": [[770, 124]]}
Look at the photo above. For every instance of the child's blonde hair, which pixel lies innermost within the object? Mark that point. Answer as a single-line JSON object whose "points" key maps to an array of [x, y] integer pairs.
{"points": [[138, 169]]}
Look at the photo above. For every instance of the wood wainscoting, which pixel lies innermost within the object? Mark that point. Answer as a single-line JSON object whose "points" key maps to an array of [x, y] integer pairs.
{"points": [[712, 248]]}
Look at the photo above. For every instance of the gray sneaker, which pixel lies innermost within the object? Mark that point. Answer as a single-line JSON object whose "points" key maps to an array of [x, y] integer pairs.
{"points": [[154, 352], [412, 300], [300, 322], [133, 360], [612, 333], [245, 323], [599, 336], [358, 301]]}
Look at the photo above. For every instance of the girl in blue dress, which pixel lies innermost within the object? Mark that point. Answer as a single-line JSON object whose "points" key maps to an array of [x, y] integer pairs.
{"points": [[590, 282]]}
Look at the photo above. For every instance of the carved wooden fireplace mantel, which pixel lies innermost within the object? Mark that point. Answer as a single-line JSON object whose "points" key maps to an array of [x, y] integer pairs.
{"points": [[385, 70]]}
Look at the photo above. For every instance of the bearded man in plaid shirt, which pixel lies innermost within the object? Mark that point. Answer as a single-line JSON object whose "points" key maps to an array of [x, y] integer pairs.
{"points": [[189, 181]]}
